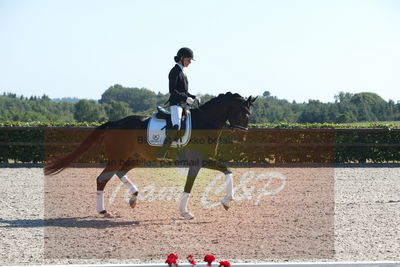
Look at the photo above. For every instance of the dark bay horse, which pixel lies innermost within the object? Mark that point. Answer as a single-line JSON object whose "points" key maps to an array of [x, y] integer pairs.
{"points": [[126, 147]]}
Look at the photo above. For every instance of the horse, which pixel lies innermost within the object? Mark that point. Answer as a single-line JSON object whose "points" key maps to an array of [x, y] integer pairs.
{"points": [[124, 145]]}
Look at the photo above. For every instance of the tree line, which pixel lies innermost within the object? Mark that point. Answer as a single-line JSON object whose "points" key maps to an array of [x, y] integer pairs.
{"points": [[118, 102]]}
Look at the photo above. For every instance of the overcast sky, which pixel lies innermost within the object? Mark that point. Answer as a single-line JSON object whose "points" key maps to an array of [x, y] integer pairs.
{"points": [[297, 50]]}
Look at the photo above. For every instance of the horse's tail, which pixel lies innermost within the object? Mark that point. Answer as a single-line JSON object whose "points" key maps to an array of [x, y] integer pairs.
{"points": [[57, 165]]}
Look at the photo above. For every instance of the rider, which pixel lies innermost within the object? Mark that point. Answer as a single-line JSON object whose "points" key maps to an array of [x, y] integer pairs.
{"points": [[179, 95]]}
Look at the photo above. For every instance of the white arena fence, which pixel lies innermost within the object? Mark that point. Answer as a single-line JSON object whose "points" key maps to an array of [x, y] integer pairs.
{"points": [[272, 264]]}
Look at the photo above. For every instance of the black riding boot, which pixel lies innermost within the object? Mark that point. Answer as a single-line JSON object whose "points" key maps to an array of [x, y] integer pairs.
{"points": [[169, 138]]}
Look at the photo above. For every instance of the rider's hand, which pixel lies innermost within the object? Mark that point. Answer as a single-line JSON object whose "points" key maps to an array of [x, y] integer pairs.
{"points": [[189, 100]]}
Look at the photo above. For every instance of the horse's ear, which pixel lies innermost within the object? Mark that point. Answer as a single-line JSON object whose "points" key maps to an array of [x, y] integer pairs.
{"points": [[248, 101], [251, 100]]}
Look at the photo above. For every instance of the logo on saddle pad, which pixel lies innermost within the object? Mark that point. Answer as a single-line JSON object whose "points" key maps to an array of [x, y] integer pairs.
{"points": [[158, 123]]}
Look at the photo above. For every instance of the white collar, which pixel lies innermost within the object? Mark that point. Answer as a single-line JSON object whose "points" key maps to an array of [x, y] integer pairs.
{"points": [[180, 65]]}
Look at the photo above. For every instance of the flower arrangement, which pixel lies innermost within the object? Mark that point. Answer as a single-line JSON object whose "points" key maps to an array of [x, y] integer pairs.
{"points": [[191, 260], [172, 260], [224, 264], [209, 259]]}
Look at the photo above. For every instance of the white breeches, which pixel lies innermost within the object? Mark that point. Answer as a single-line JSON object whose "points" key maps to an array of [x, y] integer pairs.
{"points": [[176, 115]]}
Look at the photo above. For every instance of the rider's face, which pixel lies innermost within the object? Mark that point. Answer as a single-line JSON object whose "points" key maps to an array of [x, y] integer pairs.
{"points": [[187, 61]]}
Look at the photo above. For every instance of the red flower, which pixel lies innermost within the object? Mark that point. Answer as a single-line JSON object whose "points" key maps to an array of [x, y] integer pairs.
{"points": [[209, 259], [224, 264], [171, 260], [173, 256], [191, 260]]}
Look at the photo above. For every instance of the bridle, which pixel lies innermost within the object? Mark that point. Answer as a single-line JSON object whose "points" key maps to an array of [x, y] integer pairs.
{"points": [[230, 127], [238, 127]]}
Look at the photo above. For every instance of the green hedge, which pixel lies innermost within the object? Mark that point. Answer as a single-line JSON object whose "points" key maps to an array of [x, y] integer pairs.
{"points": [[338, 145], [273, 143]]}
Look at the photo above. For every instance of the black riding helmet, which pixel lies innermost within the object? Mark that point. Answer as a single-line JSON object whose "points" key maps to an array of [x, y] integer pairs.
{"points": [[185, 52]]}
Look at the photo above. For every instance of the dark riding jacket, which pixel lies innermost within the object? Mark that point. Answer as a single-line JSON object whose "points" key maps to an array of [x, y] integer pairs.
{"points": [[178, 87]]}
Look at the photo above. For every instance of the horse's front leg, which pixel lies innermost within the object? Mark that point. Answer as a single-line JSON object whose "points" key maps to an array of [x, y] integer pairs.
{"points": [[219, 166]]}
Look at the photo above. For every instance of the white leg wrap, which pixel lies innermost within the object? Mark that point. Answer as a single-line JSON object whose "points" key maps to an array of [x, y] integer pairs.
{"points": [[99, 201], [129, 184], [229, 185], [183, 206], [183, 202]]}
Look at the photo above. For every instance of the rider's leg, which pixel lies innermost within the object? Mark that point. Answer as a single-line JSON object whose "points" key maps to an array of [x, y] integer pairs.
{"points": [[176, 116]]}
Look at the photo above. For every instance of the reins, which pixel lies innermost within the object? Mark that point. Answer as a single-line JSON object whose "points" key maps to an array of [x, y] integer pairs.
{"points": [[238, 127]]}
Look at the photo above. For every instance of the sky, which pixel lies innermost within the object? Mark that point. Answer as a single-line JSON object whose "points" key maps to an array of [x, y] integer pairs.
{"points": [[296, 50]]}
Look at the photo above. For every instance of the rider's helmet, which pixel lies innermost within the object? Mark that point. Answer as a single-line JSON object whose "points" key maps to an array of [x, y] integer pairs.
{"points": [[185, 52]]}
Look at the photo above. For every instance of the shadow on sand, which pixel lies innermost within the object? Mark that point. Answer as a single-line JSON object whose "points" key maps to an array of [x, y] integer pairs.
{"points": [[88, 222]]}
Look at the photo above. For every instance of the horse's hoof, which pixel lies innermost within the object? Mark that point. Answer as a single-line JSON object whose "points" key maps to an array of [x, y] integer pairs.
{"points": [[133, 200], [226, 202], [187, 215], [105, 214]]}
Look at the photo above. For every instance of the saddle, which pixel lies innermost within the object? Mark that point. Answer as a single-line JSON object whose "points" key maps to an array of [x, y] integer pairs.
{"points": [[160, 121]]}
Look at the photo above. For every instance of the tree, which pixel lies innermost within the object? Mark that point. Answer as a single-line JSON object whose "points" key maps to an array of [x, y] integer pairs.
{"points": [[139, 100], [117, 110], [343, 97], [367, 98], [117, 100], [89, 111], [315, 112], [266, 94], [346, 117]]}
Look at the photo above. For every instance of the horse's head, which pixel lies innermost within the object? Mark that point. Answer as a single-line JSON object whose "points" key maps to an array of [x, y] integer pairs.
{"points": [[238, 117], [231, 108]]}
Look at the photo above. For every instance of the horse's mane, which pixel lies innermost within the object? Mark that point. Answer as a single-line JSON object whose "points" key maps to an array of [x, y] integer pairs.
{"points": [[221, 98]]}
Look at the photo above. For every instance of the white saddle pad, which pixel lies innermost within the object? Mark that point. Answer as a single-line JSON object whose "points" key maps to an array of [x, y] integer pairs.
{"points": [[156, 132]]}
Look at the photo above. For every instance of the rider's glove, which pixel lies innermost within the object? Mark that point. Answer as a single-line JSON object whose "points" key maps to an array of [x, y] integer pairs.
{"points": [[189, 100]]}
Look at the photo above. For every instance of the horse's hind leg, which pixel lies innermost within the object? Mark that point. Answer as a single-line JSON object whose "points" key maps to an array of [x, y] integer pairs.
{"points": [[102, 180], [105, 177], [192, 174], [122, 175]]}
